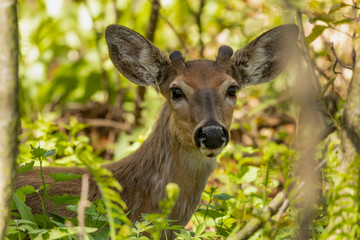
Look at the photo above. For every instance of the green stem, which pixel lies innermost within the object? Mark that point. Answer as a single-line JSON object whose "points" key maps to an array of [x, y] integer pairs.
{"points": [[207, 208], [266, 181], [45, 193]]}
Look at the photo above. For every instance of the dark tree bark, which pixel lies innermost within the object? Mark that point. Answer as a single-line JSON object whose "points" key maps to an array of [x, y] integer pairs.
{"points": [[345, 224], [8, 105], [350, 134]]}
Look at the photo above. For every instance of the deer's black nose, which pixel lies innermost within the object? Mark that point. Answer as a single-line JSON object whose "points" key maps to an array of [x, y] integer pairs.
{"points": [[211, 136]]}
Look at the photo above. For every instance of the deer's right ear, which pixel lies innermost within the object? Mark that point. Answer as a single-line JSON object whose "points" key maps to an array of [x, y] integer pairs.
{"points": [[135, 57]]}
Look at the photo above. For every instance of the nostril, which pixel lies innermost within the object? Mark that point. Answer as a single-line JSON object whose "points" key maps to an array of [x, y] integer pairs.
{"points": [[212, 136]]}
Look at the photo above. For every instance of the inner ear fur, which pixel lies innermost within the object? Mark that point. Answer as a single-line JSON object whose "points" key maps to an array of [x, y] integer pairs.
{"points": [[265, 57], [135, 57]]}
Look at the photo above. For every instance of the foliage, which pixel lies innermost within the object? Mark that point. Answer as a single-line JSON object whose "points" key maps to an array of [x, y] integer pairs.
{"points": [[77, 111]]}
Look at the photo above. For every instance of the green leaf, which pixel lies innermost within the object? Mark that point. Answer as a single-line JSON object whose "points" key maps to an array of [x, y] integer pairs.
{"points": [[185, 234], [247, 174], [72, 208], [64, 199], [50, 153], [223, 196], [200, 229], [25, 167], [37, 152], [211, 213], [316, 31], [338, 6], [243, 149], [59, 232], [24, 210], [61, 177], [25, 190], [28, 189]]}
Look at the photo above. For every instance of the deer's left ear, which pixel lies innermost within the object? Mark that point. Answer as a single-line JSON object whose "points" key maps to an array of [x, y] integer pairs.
{"points": [[265, 57]]}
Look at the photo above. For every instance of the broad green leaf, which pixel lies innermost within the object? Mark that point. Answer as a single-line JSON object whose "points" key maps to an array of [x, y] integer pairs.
{"points": [[316, 31], [37, 152], [25, 190], [64, 199], [243, 149], [72, 208], [59, 232], [337, 6], [60, 177], [247, 174], [25, 167], [211, 213], [50, 153], [223, 196], [200, 229], [185, 234], [28, 189], [24, 210]]}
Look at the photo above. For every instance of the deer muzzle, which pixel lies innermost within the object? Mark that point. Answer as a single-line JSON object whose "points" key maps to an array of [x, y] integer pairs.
{"points": [[211, 138]]}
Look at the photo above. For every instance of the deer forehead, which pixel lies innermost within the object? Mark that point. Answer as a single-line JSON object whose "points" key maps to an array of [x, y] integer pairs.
{"points": [[202, 74]]}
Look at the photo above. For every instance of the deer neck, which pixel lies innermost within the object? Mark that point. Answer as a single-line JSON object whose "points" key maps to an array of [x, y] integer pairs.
{"points": [[162, 159]]}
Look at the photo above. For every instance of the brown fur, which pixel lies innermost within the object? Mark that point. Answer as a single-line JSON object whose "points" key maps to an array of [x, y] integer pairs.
{"points": [[170, 154]]}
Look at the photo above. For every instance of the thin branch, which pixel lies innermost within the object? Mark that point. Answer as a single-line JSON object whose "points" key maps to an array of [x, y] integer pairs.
{"points": [[182, 42], [83, 204], [154, 16], [99, 122], [341, 63], [117, 12], [255, 223], [198, 21]]}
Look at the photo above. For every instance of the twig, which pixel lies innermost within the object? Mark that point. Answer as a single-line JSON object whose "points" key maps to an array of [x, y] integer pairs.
{"points": [[198, 21], [255, 223], [354, 7], [341, 63], [182, 43], [99, 122], [154, 16], [117, 12], [83, 204]]}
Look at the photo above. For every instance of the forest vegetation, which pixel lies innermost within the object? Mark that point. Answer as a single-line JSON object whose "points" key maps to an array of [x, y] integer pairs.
{"points": [[290, 170]]}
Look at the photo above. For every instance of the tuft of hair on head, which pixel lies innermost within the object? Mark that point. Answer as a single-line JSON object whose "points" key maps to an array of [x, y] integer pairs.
{"points": [[177, 60], [224, 55]]}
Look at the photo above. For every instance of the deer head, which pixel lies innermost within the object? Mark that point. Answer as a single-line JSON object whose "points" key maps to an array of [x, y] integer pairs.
{"points": [[202, 93]]}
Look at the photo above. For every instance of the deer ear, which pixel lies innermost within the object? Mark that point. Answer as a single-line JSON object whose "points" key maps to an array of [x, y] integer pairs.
{"points": [[135, 57], [265, 57]]}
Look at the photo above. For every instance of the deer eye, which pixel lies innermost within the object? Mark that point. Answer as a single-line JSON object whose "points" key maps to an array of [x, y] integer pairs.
{"points": [[176, 93], [231, 92]]}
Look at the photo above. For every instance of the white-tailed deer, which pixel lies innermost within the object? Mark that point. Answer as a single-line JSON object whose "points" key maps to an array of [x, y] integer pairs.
{"points": [[193, 125]]}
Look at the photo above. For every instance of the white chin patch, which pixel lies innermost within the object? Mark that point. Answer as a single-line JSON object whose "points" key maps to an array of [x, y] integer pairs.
{"points": [[210, 152]]}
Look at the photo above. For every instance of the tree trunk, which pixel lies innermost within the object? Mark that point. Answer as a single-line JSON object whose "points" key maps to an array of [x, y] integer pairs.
{"points": [[350, 134], [9, 120], [345, 208]]}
